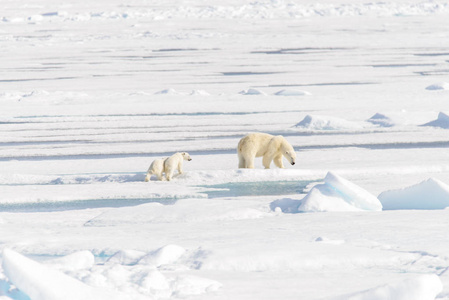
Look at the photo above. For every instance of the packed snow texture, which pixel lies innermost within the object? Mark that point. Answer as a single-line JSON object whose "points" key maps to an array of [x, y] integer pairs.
{"points": [[429, 194], [338, 194]]}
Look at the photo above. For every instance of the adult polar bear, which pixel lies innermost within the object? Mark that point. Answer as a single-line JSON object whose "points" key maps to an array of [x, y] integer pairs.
{"points": [[272, 148]]}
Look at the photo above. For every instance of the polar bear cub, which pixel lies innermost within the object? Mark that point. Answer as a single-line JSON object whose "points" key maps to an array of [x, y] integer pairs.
{"points": [[272, 148], [156, 168], [175, 162]]}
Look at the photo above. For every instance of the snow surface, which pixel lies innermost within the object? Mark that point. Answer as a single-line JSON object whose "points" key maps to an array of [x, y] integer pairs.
{"points": [[91, 92]]}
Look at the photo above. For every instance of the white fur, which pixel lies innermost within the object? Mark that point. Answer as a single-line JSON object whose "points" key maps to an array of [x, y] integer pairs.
{"points": [[272, 148], [156, 168], [175, 162]]}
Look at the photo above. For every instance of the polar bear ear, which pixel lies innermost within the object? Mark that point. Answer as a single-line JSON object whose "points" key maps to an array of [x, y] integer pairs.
{"points": [[286, 152]]}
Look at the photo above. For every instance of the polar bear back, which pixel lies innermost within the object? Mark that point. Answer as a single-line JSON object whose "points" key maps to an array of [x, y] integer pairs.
{"points": [[255, 144]]}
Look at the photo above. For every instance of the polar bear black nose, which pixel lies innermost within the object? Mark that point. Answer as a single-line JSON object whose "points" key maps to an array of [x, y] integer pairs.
{"points": [[190, 159], [293, 163]]}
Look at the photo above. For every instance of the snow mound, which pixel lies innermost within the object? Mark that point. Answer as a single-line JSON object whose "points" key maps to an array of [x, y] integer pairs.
{"points": [[442, 121], [199, 93], [130, 270], [429, 194], [381, 120], [126, 257], [40, 282], [292, 93], [315, 122], [168, 92], [424, 287], [163, 256], [286, 205], [438, 86], [75, 261], [338, 194], [252, 92]]}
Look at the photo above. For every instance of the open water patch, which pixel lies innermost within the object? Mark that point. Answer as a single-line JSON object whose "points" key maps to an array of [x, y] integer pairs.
{"points": [[259, 188], [80, 204]]}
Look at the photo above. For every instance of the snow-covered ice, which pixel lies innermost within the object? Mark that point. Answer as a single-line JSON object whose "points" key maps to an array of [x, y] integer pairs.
{"points": [[429, 194], [91, 92], [338, 194]]}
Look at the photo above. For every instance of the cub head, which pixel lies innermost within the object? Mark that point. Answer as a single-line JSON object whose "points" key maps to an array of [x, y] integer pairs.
{"points": [[186, 156]]}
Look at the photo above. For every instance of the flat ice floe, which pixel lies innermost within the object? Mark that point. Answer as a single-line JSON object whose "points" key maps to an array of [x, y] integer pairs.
{"points": [[338, 194], [429, 194], [185, 211]]}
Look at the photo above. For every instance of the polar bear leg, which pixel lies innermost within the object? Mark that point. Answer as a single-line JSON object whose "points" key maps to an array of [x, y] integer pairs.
{"points": [[278, 161], [266, 161], [180, 167], [147, 178], [168, 172], [249, 162], [160, 176], [241, 161]]}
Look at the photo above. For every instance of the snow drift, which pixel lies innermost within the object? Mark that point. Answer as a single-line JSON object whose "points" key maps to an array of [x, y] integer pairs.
{"points": [[252, 92], [292, 93], [429, 194], [442, 121], [315, 122], [438, 86], [381, 120], [338, 194]]}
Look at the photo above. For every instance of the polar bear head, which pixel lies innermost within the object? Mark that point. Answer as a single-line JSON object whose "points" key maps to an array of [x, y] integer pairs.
{"points": [[288, 152], [186, 156]]}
